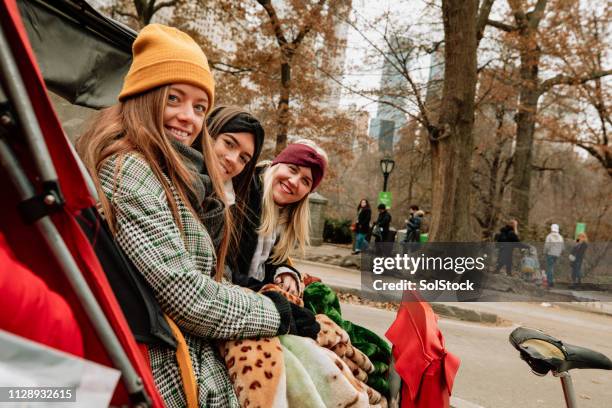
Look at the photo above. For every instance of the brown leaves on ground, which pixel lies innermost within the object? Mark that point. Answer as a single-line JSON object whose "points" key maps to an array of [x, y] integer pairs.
{"points": [[357, 300]]}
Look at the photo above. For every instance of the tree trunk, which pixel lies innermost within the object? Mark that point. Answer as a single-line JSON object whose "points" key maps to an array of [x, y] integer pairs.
{"points": [[283, 107], [525, 126], [452, 152]]}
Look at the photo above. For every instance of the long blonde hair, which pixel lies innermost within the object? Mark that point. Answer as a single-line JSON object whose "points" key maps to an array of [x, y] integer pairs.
{"points": [[293, 220], [136, 125]]}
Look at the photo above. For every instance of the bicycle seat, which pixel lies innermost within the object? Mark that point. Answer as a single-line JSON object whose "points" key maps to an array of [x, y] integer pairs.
{"points": [[544, 353]]}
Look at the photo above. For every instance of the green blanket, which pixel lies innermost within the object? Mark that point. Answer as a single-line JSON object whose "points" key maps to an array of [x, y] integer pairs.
{"points": [[320, 298]]}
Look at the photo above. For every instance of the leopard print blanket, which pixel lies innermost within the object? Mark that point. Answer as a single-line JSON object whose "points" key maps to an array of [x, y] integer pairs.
{"points": [[291, 371]]}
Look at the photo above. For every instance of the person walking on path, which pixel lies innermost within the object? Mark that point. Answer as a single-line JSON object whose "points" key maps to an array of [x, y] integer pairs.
{"points": [[576, 257], [507, 239], [383, 222], [553, 247], [362, 227]]}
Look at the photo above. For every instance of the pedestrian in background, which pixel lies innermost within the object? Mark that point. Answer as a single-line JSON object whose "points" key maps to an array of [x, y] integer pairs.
{"points": [[553, 247], [576, 257], [362, 227], [506, 238], [413, 226], [383, 222]]}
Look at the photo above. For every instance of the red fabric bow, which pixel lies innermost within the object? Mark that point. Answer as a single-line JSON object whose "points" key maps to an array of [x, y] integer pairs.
{"points": [[426, 368]]}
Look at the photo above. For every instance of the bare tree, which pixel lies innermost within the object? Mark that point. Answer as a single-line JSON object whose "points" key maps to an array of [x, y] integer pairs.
{"points": [[526, 29], [449, 124]]}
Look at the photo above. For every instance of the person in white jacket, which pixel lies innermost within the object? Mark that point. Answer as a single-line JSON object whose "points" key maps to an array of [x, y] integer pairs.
{"points": [[553, 247]]}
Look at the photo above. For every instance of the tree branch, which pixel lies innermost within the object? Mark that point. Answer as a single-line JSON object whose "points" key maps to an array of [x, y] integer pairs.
{"points": [[593, 152], [163, 4], [501, 26], [308, 26], [544, 168], [402, 70], [370, 98], [482, 18], [278, 32], [125, 14], [229, 68], [563, 79], [536, 14]]}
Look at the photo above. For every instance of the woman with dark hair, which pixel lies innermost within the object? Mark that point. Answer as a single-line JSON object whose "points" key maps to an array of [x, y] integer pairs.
{"points": [[362, 227], [237, 141], [237, 138]]}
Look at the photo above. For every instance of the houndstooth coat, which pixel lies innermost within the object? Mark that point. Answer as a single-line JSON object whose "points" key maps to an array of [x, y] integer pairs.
{"points": [[178, 268]]}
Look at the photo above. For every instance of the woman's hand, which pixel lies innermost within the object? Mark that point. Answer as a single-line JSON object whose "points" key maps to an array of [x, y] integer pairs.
{"points": [[288, 283]]}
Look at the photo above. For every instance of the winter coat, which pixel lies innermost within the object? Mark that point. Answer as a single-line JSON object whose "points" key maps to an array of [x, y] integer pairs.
{"points": [[413, 227], [178, 266], [506, 235], [414, 223], [553, 245], [364, 215], [384, 221], [578, 251]]}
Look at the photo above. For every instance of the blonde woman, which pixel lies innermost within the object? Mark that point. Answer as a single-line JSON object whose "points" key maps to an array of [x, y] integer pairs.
{"points": [[147, 194], [277, 217]]}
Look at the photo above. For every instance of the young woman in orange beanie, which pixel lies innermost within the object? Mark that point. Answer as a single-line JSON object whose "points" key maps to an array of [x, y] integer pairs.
{"points": [[149, 196]]}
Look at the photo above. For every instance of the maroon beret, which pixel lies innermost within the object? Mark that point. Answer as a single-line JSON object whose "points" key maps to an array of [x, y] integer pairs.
{"points": [[303, 155]]}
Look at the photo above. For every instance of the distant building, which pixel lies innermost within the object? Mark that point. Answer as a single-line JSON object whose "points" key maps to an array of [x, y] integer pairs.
{"points": [[335, 62], [389, 116], [383, 131], [361, 142]]}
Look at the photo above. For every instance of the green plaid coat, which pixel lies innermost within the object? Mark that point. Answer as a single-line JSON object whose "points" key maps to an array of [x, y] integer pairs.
{"points": [[179, 268]]}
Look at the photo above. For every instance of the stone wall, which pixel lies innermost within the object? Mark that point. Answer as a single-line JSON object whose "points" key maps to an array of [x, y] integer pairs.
{"points": [[317, 204]]}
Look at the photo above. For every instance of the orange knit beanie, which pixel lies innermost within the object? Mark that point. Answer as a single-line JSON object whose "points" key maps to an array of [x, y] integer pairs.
{"points": [[164, 55]]}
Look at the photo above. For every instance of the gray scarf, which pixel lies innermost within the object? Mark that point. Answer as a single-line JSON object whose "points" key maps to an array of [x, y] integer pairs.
{"points": [[209, 208]]}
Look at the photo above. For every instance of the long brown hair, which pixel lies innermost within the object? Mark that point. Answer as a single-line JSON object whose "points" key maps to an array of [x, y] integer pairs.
{"points": [[136, 125], [217, 120], [221, 118]]}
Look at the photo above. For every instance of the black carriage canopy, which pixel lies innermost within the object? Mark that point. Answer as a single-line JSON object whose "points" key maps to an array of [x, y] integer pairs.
{"points": [[82, 54]]}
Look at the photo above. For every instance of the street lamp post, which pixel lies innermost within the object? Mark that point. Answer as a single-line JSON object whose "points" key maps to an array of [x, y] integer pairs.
{"points": [[386, 166]]}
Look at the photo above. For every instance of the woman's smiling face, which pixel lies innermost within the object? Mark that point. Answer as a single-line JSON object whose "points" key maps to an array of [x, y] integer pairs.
{"points": [[290, 183], [184, 113], [234, 151]]}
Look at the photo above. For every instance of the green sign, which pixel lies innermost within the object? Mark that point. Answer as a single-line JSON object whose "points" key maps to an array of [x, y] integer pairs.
{"points": [[385, 197], [580, 228]]}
